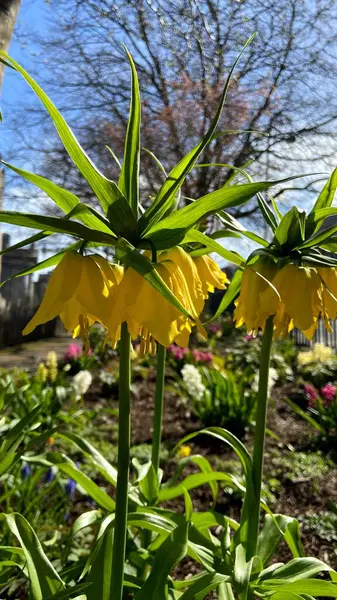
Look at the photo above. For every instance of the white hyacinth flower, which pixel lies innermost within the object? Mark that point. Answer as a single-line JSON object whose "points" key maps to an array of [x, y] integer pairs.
{"points": [[193, 381], [81, 383]]}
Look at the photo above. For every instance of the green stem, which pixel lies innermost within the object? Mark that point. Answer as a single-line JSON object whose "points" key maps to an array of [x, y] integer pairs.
{"points": [[259, 437], [159, 406], [124, 438]]}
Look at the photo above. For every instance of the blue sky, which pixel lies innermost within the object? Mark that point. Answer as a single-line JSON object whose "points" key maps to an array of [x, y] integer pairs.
{"points": [[16, 95]]}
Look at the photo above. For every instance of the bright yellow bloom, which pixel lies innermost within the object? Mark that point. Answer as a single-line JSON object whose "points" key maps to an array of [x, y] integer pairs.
{"points": [[248, 306], [210, 274], [328, 277], [184, 451], [78, 291], [299, 303], [151, 316]]}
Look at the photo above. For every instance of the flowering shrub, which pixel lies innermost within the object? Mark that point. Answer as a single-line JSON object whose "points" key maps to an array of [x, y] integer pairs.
{"points": [[322, 404], [319, 364], [178, 356]]}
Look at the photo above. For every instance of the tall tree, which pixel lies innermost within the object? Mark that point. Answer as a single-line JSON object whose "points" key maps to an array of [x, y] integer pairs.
{"points": [[9, 10], [282, 96]]}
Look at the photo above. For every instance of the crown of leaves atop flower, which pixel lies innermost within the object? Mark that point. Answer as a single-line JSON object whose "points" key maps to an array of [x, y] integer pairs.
{"points": [[123, 223], [298, 237]]}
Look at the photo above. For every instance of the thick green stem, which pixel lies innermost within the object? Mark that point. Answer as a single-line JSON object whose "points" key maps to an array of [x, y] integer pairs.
{"points": [[124, 438], [159, 405], [259, 437]]}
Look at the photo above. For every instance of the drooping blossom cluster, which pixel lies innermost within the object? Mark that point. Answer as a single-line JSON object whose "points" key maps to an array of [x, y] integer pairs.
{"points": [[83, 290], [293, 295]]}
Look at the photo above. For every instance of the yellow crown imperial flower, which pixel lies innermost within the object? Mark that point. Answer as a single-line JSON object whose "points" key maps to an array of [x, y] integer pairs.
{"points": [[328, 277], [148, 314], [78, 291], [210, 274], [299, 303], [248, 306]]}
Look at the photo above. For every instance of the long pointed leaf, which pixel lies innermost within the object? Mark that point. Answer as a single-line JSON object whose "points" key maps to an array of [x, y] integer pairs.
{"points": [[196, 236], [172, 229], [64, 199], [325, 199], [129, 177], [43, 578], [106, 191], [57, 225], [165, 198]]}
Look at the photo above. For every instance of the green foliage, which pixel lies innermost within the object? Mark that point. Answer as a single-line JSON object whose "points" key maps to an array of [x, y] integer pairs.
{"points": [[227, 401]]}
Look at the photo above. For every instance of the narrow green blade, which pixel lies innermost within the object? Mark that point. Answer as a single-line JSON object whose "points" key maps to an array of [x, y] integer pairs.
{"points": [[129, 178]]}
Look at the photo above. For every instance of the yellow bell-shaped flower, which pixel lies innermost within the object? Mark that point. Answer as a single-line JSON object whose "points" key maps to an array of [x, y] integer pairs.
{"points": [[299, 303], [148, 314], [328, 277], [248, 306], [210, 274], [78, 291]]}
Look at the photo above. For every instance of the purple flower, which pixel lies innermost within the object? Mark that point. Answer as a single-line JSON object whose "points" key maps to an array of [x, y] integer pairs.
{"points": [[25, 471], [328, 392], [49, 476], [249, 337], [70, 488]]}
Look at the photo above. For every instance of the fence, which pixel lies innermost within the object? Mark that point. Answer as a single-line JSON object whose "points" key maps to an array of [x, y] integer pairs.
{"points": [[321, 335]]}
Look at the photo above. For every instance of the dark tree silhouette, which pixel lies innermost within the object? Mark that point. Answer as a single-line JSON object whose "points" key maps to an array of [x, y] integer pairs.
{"points": [[284, 87]]}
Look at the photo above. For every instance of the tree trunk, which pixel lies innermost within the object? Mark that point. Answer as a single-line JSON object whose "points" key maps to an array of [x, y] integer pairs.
{"points": [[9, 10]]}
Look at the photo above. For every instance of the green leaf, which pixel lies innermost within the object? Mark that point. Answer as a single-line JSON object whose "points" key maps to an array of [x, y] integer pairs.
{"points": [[322, 235], [85, 520], [64, 199], [212, 246], [267, 213], [74, 589], [227, 437], [204, 466], [165, 199], [171, 230], [106, 191], [170, 553], [129, 178], [305, 415], [206, 583], [26, 242], [315, 587], [242, 571], [273, 531], [196, 480], [299, 568], [101, 572], [65, 465], [234, 225], [57, 225], [325, 199], [43, 578], [229, 295], [290, 231], [153, 522]]}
